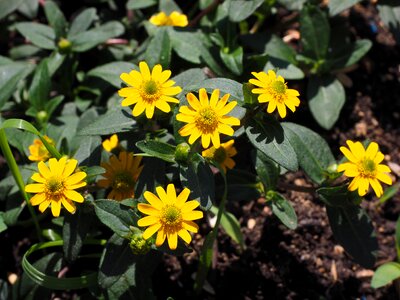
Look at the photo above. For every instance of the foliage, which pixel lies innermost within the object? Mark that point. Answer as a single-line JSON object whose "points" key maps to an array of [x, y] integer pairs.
{"points": [[65, 75]]}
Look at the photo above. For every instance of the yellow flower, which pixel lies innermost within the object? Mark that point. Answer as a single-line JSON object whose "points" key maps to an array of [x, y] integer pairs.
{"points": [[273, 89], [222, 155], [56, 185], [111, 143], [148, 90], [121, 175], [364, 166], [38, 151], [207, 118], [170, 215], [174, 19]]}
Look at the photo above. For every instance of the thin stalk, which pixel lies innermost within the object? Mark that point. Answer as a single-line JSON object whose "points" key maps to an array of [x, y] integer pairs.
{"points": [[206, 251], [12, 164]]}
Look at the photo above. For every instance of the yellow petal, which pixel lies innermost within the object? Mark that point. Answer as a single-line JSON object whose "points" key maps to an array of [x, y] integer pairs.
{"points": [[184, 234], [163, 106], [190, 225], [227, 108], [215, 139], [69, 205], [282, 110], [75, 178], [161, 235], [182, 197], [164, 76], [380, 168], [151, 230], [384, 178], [348, 154], [189, 206], [194, 136], [153, 200], [203, 97], [363, 186], [372, 150], [193, 215], [376, 186], [148, 209], [37, 199], [149, 111], [148, 220], [145, 71], [35, 188], [193, 101], [74, 196], [171, 193], [356, 148], [132, 79], [70, 167], [271, 106], [44, 170], [156, 72], [205, 140], [56, 208], [44, 205], [162, 195], [214, 98], [172, 240], [38, 178], [138, 109]]}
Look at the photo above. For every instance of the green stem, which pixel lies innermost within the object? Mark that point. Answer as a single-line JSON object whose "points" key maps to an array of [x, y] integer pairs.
{"points": [[12, 164], [206, 250]]}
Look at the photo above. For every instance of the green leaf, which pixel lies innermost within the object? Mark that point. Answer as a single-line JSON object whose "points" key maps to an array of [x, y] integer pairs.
{"points": [[241, 10], [111, 72], [338, 196], [158, 149], [337, 6], [40, 35], [292, 4], [385, 274], [148, 179], [82, 22], [206, 255], [313, 152], [390, 15], [269, 137], [188, 78], [7, 7], [314, 32], [10, 75], [56, 19], [86, 40], [3, 226], [159, 49], [267, 170], [29, 8], [276, 48], [231, 226], [116, 216], [40, 87], [89, 151], [168, 6], [350, 55], [397, 237], [113, 121], [353, 229], [76, 226], [138, 4], [233, 60], [123, 275], [284, 68], [186, 44], [52, 104], [284, 211], [389, 193], [199, 179], [326, 98]]}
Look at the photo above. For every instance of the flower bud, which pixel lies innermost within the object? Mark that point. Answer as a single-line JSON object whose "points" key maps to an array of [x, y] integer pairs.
{"points": [[64, 45], [42, 116], [182, 152], [139, 245]]}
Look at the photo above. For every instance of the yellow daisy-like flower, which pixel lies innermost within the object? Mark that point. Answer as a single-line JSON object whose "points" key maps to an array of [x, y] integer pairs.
{"points": [[121, 175], [148, 90], [222, 155], [111, 143], [170, 215], [207, 118], [364, 166], [174, 19], [38, 151], [56, 185], [273, 89]]}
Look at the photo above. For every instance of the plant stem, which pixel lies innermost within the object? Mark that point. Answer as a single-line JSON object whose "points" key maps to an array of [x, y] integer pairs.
{"points": [[297, 188], [206, 250], [12, 164], [204, 12]]}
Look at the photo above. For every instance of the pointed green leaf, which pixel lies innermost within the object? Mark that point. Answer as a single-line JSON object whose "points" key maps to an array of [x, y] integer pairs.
{"points": [[326, 98], [284, 211], [56, 19], [40, 87], [269, 137], [111, 72], [385, 274], [82, 22], [159, 49], [158, 149], [40, 35]]}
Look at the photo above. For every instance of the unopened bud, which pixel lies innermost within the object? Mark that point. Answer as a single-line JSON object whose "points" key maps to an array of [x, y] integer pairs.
{"points": [[64, 45], [139, 245], [182, 152]]}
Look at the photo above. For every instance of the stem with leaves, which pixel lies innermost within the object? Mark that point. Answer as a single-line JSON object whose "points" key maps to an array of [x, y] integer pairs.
{"points": [[12, 164]]}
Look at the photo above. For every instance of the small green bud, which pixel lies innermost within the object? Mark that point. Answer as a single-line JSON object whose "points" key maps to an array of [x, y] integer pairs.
{"points": [[332, 168], [270, 195], [139, 245], [64, 45], [182, 152], [41, 116]]}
